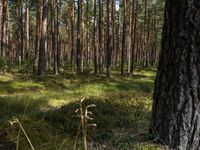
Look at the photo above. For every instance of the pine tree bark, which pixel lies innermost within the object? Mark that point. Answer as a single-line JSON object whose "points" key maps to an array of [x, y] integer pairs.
{"points": [[78, 52], [108, 40], [133, 33], [19, 33], [43, 42], [3, 28], [176, 103], [37, 35], [123, 38], [72, 33], [27, 44], [100, 38], [94, 39]]}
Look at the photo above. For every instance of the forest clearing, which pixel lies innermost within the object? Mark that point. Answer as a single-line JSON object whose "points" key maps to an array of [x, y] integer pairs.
{"points": [[46, 109], [99, 75]]}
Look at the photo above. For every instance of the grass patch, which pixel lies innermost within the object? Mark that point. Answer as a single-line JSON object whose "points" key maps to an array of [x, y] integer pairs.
{"points": [[122, 113]]}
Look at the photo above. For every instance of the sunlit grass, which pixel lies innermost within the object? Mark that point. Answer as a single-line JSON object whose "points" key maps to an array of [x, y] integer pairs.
{"points": [[123, 108]]}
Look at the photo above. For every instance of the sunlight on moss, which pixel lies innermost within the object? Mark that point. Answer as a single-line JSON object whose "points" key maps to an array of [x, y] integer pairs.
{"points": [[123, 108]]}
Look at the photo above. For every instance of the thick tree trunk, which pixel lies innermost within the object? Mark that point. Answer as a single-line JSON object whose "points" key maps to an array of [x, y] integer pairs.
{"points": [[176, 107]]}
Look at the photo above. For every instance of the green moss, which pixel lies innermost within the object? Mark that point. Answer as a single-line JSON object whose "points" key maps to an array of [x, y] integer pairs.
{"points": [[122, 113]]}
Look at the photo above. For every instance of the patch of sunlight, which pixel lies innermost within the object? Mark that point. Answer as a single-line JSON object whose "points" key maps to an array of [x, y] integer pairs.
{"points": [[6, 77], [27, 84]]}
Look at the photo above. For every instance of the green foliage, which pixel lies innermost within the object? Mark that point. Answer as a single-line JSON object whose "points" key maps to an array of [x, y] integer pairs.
{"points": [[5, 65], [26, 66]]}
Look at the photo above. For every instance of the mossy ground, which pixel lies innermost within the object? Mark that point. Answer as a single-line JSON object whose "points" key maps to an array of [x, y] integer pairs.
{"points": [[46, 109]]}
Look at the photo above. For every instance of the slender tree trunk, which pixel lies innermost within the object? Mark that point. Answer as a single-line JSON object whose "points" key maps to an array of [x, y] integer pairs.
{"points": [[100, 39], [43, 43], [27, 41], [123, 38], [133, 33], [3, 29], [94, 39], [21, 30], [78, 52], [118, 42], [113, 32], [54, 36], [108, 40], [87, 33], [129, 39], [19, 34], [37, 38], [144, 63], [58, 34], [72, 33], [176, 114]]}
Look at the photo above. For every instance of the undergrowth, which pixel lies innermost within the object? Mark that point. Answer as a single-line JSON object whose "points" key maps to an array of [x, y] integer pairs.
{"points": [[122, 112]]}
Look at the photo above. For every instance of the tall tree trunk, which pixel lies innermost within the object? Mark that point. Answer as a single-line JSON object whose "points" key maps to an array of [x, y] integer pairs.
{"points": [[20, 33], [37, 34], [72, 33], [94, 39], [108, 40], [123, 38], [129, 38], [113, 32], [79, 24], [54, 36], [100, 39], [87, 34], [133, 32], [117, 39], [27, 41], [58, 34], [176, 114], [3, 29], [43, 43], [144, 63], [21, 30]]}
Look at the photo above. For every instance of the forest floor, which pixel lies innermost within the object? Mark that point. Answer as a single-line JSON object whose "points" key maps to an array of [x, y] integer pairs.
{"points": [[46, 107]]}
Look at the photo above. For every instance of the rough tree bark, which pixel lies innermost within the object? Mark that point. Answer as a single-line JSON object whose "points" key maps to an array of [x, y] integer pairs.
{"points": [[176, 106]]}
